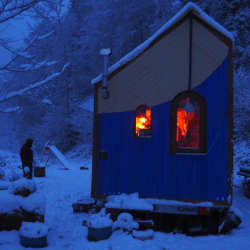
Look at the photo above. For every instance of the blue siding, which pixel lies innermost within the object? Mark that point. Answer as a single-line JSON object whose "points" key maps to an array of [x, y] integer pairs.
{"points": [[144, 165]]}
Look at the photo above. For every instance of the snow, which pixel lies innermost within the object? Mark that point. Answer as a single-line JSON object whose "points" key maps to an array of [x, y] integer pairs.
{"points": [[142, 47], [88, 103], [28, 66], [10, 203], [128, 201], [47, 101], [99, 221], [51, 63], [142, 235], [33, 85], [59, 156], [4, 185], [10, 110], [45, 35], [33, 203], [33, 229], [10, 9], [180, 203], [125, 222], [60, 189], [24, 54], [18, 185]]}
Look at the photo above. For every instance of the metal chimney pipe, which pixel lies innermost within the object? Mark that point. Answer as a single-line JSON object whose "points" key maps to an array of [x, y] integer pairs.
{"points": [[105, 53]]}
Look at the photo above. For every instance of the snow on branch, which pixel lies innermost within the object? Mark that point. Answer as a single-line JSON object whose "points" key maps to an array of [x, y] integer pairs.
{"points": [[10, 110], [45, 35], [12, 8], [33, 85], [23, 53], [44, 63]]}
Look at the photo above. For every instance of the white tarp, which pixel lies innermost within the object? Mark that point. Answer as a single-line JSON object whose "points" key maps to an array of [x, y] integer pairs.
{"points": [[59, 155]]}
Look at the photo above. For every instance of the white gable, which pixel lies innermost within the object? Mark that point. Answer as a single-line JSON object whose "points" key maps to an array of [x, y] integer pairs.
{"points": [[142, 47]]}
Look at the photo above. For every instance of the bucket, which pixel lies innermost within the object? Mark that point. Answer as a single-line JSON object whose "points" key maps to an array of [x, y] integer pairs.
{"points": [[96, 234], [39, 171]]}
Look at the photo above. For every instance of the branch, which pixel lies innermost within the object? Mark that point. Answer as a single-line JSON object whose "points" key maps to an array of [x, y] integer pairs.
{"points": [[34, 85], [16, 53], [10, 110], [14, 8]]}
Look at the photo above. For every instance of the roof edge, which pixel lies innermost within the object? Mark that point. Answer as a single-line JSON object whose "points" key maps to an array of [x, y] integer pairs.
{"points": [[189, 7]]}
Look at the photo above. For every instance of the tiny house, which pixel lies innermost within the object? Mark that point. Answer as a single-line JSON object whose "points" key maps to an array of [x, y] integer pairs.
{"points": [[165, 128]]}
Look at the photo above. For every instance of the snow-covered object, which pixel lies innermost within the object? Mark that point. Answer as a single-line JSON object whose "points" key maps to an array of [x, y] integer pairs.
{"points": [[47, 101], [22, 187], [179, 203], [33, 229], [142, 47], [143, 235], [100, 220], [10, 203], [125, 222], [33, 203], [128, 201]]}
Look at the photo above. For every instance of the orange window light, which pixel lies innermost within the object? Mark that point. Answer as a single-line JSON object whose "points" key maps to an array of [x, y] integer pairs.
{"points": [[188, 124], [143, 120]]}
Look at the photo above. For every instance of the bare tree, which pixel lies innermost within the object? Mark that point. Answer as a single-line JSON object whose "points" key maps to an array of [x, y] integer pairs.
{"points": [[12, 8], [46, 10]]}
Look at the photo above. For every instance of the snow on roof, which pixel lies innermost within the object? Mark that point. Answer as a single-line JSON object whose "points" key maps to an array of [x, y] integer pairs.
{"points": [[190, 6]]}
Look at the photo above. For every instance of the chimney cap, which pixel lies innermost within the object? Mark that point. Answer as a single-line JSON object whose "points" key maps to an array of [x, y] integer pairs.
{"points": [[105, 52]]}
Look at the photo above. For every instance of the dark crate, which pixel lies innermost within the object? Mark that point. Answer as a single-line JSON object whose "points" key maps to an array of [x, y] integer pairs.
{"points": [[39, 171], [84, 205]]}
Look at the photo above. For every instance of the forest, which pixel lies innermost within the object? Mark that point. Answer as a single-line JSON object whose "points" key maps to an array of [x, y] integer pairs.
{"points": [[46, 80]]}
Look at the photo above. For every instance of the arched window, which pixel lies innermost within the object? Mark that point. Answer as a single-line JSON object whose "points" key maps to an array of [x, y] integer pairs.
{"points": [[188, 123], [143, 126]]}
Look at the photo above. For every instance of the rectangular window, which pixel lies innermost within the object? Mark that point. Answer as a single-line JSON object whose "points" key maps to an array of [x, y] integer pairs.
{"points": [[143, 121]]}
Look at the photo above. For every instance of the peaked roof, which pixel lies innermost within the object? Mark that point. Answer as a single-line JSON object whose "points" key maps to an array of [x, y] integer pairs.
{"points": [[189, 7]]}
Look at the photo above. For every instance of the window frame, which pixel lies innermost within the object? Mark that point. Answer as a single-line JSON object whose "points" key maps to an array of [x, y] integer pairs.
{"points": [[174, 149]]}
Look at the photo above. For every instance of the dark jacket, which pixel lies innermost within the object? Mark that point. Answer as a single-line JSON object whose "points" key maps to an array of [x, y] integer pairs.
{"points": [[26, 154]]}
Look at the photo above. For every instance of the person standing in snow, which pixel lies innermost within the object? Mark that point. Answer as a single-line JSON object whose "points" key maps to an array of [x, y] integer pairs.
{"points": [[26, 154]]}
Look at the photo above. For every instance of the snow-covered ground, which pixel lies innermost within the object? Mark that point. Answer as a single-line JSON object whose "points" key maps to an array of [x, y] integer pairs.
{"points": [[63, 187]]}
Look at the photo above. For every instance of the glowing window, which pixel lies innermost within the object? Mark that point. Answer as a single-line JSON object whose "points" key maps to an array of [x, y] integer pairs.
{"points": [[143, 126], [188, 133], [188, 124]]}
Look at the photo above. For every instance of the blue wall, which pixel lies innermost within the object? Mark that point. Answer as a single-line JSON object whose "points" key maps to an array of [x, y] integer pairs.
{"points": [[144, 165]]}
